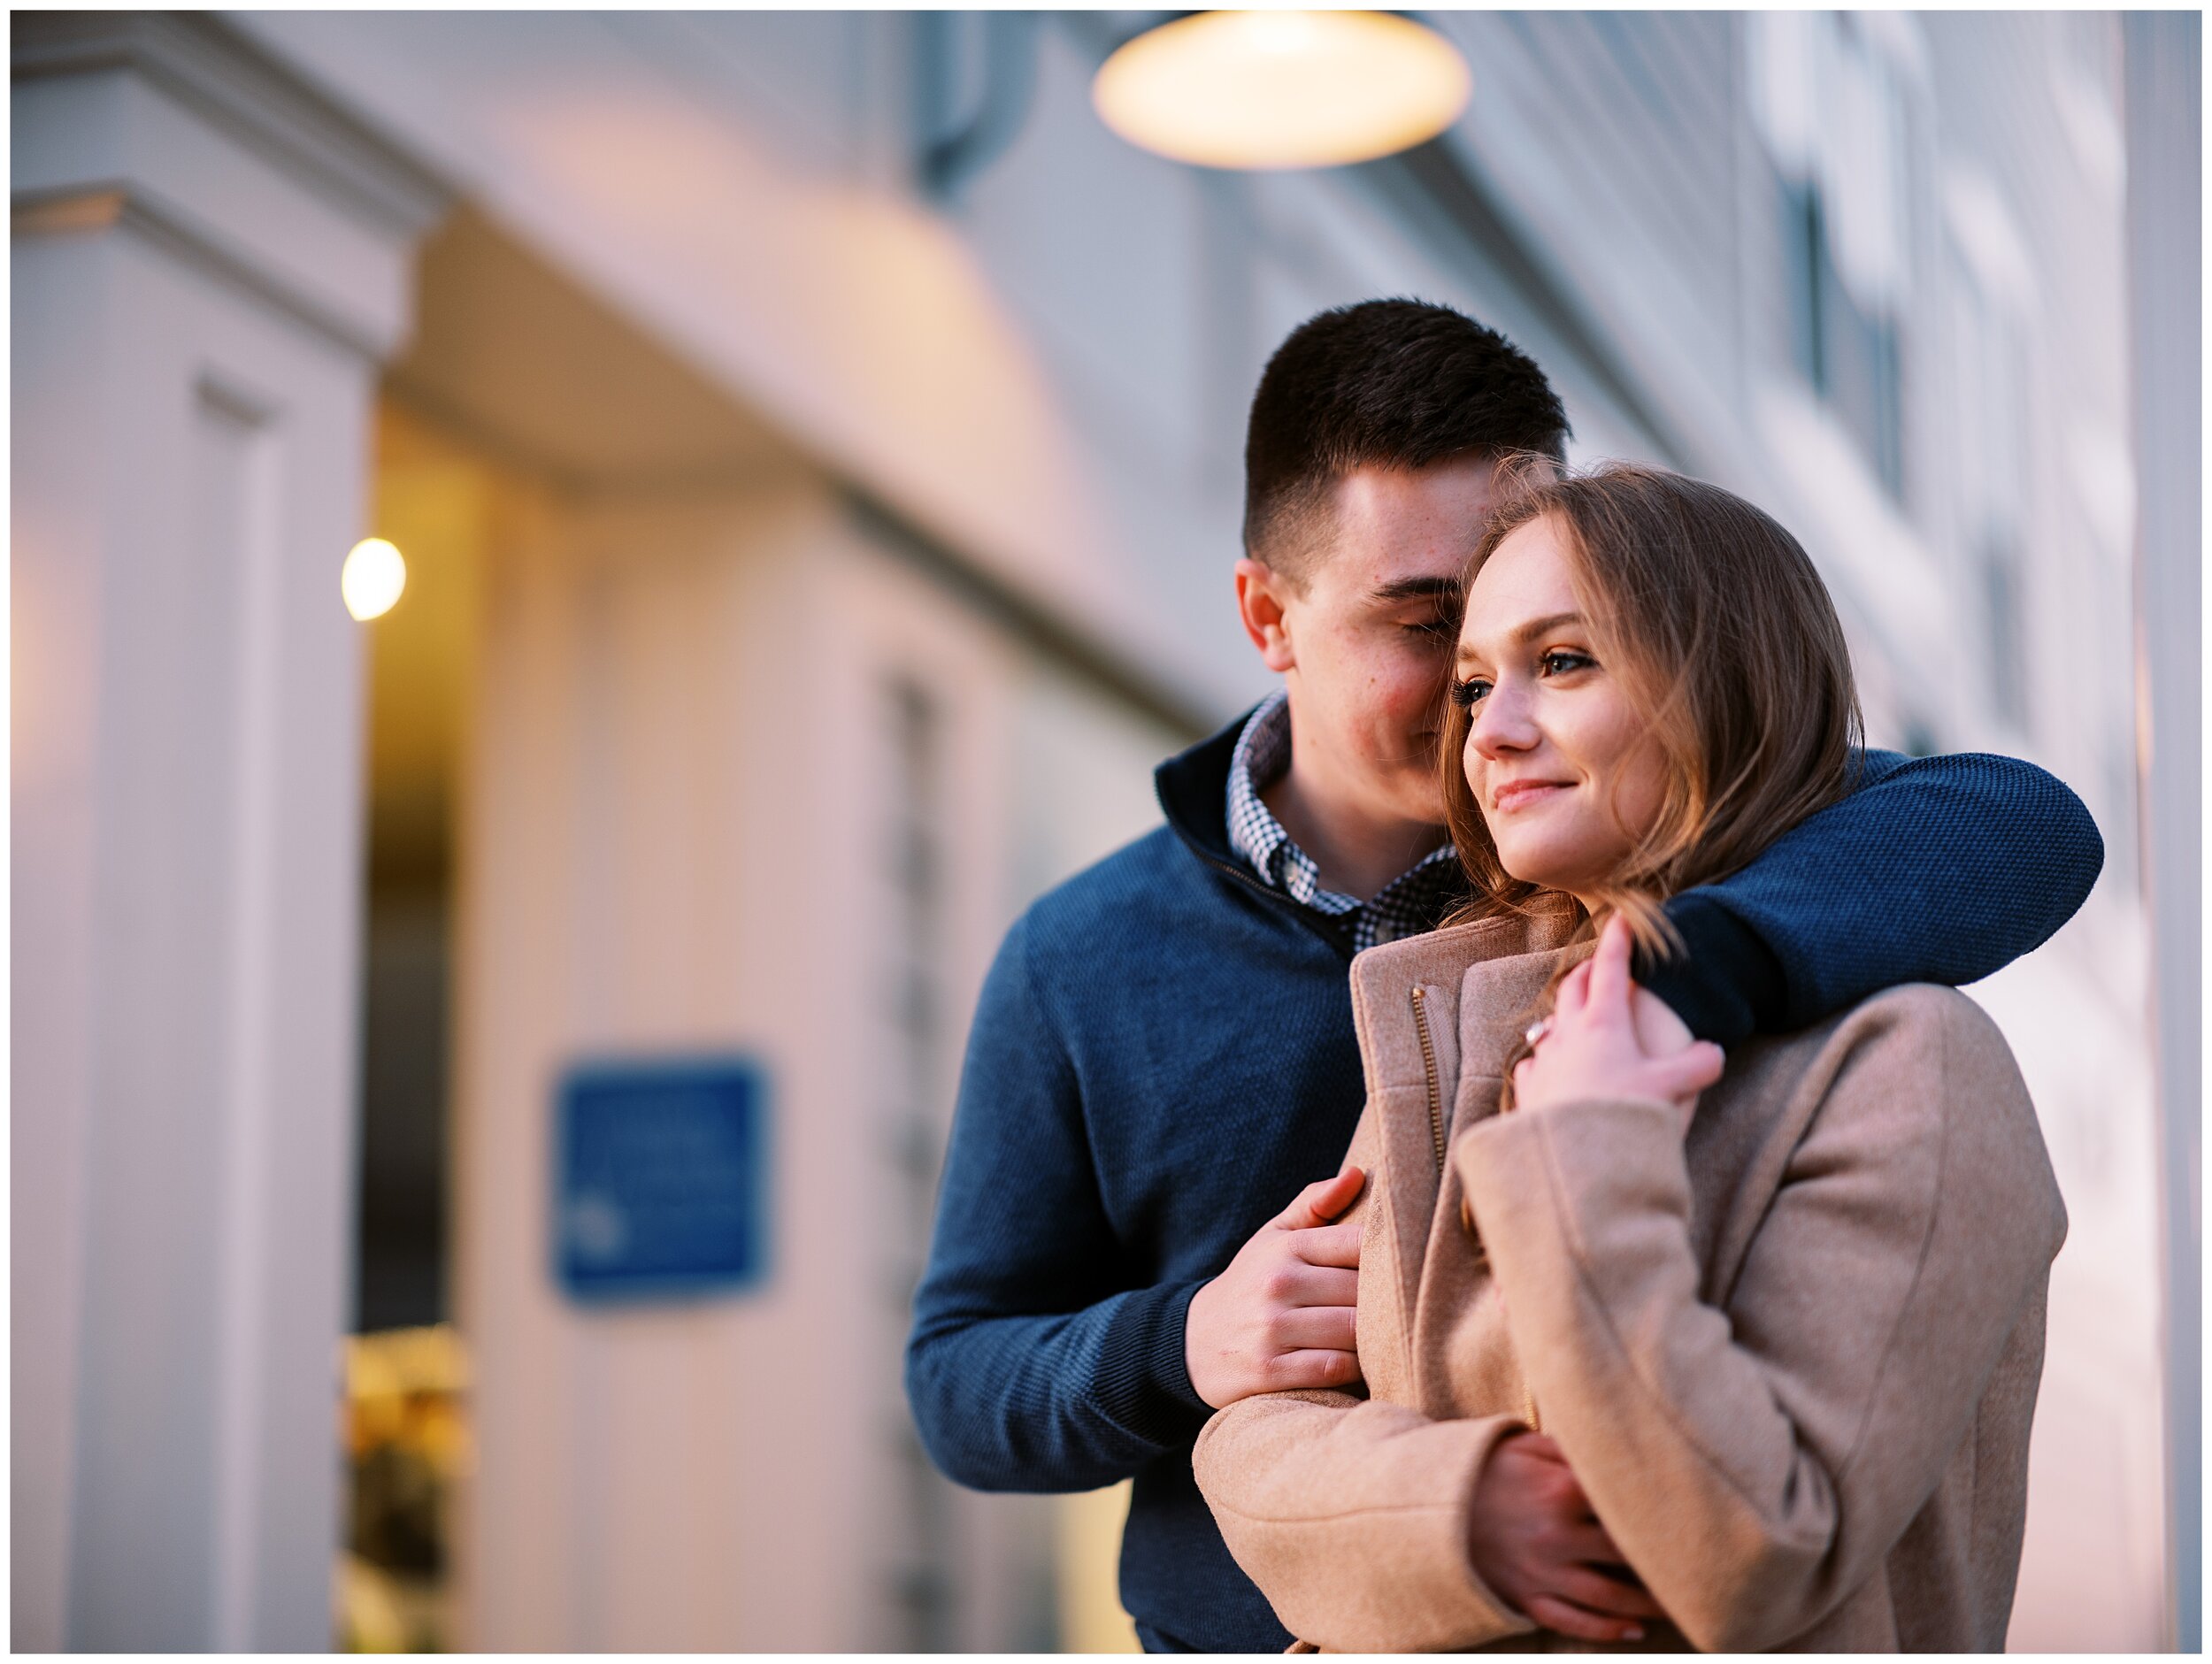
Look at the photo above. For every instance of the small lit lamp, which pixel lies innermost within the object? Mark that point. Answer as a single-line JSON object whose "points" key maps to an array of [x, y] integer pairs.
{"points": [[1281, 89], [373, 575]]}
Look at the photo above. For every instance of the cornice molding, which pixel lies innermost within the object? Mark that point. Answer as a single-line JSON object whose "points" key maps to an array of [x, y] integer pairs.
{"points": [[260, 101], [187, 236]]}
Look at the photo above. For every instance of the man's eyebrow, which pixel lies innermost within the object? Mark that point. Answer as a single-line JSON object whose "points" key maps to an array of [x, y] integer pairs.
{"points": [[1418, 589], [1527, 631]]}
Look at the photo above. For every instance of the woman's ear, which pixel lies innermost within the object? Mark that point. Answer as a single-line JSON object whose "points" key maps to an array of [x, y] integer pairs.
{"points": [[1263, 595]]}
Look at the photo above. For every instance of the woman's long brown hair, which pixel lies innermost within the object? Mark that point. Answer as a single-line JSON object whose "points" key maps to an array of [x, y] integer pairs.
{"points": [[1713, 618]]}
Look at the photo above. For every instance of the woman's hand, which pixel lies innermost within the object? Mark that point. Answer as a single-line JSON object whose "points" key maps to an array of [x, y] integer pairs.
{"points": [[1598, 1047], [1535, 1541]]}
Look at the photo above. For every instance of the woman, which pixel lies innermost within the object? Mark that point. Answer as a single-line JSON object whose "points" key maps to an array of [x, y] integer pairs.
{"points": [[1657, 1351]]}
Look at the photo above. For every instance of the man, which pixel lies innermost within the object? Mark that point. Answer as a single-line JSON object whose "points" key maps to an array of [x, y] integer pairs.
{"points": [[1163, 1051]]}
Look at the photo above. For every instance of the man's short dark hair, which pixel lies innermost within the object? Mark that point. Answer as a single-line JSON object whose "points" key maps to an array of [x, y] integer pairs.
{"points": [[1390, 384]]}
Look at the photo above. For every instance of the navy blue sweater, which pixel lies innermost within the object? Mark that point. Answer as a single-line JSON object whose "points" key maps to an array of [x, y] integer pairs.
{"points": [[1162, 1056]]}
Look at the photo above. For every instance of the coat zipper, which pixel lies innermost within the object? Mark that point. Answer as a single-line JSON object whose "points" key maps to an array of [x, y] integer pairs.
{"points": [[1436, 1138], [1428, 1062]]}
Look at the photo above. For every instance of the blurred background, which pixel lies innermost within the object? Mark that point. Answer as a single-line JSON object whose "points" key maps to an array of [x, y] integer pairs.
{"points": [[813, 445]]}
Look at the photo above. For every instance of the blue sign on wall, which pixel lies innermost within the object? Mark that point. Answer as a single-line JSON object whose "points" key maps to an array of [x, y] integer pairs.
{"points": [[661, 1179]]}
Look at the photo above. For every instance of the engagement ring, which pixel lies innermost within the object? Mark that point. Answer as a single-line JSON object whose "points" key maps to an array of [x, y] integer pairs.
{"points": [[1535, 1032]]}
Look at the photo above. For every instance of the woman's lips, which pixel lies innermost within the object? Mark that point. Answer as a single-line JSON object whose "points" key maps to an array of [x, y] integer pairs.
{"points": [[1520, 793]]}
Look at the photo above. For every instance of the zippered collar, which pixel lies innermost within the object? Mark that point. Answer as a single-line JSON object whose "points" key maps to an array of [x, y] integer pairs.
{"points": [[1192, 788]]}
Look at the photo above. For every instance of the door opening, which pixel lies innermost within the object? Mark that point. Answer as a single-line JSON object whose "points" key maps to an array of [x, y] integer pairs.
{"points": [[407, 1428]]}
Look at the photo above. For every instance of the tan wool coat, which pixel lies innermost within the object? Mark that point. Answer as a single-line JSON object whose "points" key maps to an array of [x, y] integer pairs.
{"points": [[1791, 1355]]}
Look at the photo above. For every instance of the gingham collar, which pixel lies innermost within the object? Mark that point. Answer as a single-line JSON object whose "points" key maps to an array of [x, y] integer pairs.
{"points": [[1407, 906]]}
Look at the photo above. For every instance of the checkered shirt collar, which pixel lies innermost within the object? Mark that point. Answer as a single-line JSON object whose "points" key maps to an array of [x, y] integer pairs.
{"points": [[1407, 906]]}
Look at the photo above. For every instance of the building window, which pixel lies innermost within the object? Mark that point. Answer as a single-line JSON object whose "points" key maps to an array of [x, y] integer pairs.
{"points": [[1989, 465], [2007, 630], [922, 1582], [1833, 118]]}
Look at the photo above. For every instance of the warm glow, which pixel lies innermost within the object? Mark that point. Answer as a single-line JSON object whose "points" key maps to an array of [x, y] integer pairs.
{"points": [[374, 576], [1282, 89]]}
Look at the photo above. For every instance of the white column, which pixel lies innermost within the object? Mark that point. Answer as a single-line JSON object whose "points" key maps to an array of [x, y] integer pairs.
{"points": [[209, 262]]}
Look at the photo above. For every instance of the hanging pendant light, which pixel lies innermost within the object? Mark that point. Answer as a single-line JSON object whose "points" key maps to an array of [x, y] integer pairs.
{"points": [[1281, 89]]}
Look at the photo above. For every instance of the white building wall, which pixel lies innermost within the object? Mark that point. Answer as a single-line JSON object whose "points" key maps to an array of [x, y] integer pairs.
{"points": [[2163, 96], [685, 834]]}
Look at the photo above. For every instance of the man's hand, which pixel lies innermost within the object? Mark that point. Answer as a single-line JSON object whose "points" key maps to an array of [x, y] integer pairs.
{"points": [[1610, 1038], [1535, 1541], [1282, 1315]]}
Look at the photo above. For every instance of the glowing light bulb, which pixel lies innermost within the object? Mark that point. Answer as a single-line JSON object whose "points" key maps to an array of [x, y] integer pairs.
{"points": [[1261, 89], [374, 574]]}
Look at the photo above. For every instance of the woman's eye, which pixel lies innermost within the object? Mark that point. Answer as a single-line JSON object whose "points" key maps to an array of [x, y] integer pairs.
{"points": [[1465, 693], [1559, 661]]}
